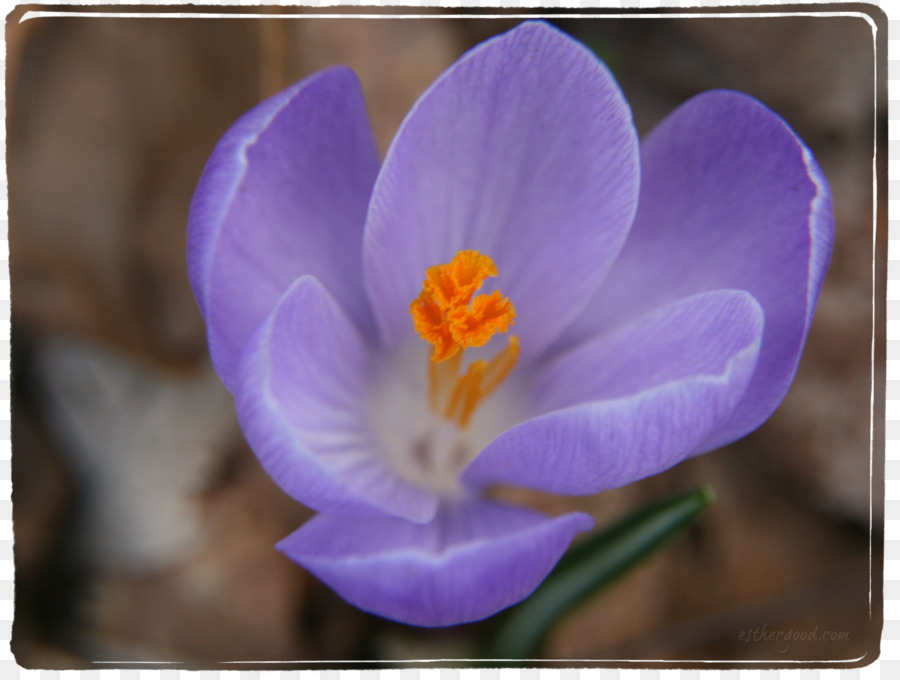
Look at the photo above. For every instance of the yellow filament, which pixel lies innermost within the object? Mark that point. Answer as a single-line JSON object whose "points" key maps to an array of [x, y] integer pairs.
{"points": [[441, 377], [463, 394], [473, 393], [500, 367], [464, 390]]}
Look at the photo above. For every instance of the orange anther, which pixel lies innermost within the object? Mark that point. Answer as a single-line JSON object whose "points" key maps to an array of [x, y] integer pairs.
{"points": [[453, 284], [442, 313], [473, 326], [431, 324]]}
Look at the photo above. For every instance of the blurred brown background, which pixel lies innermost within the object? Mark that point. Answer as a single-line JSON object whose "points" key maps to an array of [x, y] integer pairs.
{"points": [[144, 528]]}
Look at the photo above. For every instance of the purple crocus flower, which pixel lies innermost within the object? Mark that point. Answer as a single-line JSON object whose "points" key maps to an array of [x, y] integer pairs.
{"points": [[516, 295]]}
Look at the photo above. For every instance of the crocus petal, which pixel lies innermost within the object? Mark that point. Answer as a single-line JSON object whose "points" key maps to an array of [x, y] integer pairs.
{"points": [[301, 401], [634, 402], [473, 560], [524, 150], [730, 198], [284, 194]]}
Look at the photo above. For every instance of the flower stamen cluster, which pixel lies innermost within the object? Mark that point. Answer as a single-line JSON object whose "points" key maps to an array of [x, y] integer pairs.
{"points": [[448, 316]]}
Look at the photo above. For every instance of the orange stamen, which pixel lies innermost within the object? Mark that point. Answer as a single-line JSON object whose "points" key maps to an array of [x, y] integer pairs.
{"points": [[474, 325], [443, 315], [500, 367], [430, 322], [441, 378], [453, 284], [465, 391], [448, 316]]}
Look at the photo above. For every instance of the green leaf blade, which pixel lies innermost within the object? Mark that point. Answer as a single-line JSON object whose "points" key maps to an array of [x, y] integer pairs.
{"points": [[591, 566]]}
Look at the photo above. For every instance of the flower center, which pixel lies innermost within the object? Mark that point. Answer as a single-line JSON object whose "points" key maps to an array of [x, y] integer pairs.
{"points": [[449, 315]]}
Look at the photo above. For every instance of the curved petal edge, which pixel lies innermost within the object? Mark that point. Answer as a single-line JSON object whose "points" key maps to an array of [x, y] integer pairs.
{"points": [[301, 402], [523, 150], [683, 393], [284, 193], [732, 198], [473, 560]]}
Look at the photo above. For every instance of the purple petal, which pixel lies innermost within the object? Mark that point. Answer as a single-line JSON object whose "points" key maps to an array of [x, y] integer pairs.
{"points": [[301, 401], [730, 198], [524, 150], [284, 194], [632, 403], [473, 560]]}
